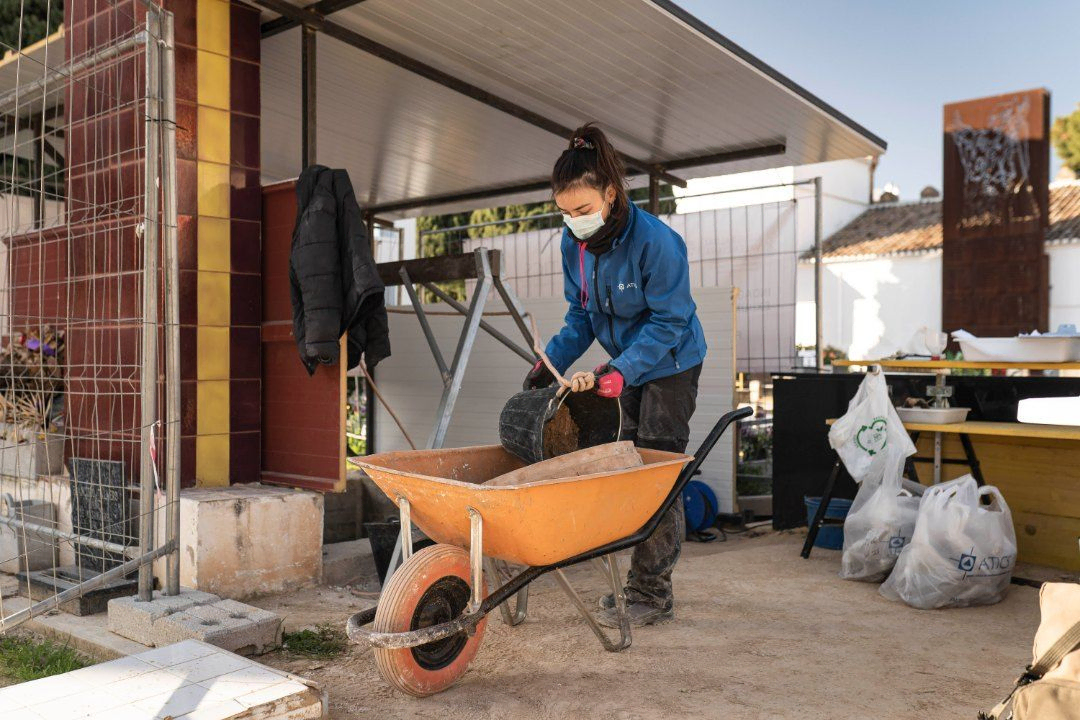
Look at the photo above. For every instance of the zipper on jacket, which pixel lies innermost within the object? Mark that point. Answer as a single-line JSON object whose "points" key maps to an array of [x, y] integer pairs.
{"points": [[675, 358], [596, 290]]}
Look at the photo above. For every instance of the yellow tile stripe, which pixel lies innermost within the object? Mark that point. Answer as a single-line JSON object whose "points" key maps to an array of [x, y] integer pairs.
{"points": [[214, 242]]}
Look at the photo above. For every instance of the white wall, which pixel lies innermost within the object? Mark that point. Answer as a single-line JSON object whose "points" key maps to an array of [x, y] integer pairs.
{"points": [[410, 383], [873, 307], [1064, 285], [844, 193]]}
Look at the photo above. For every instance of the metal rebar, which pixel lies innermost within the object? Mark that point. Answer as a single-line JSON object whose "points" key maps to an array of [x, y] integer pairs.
{"points": [[172, 312], [818, 309], [148, 376]]}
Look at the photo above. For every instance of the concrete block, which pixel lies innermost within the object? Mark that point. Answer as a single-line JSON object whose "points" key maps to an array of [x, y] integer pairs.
{"points": [[131, 618], [227, 624], [349, 563], [247, 540]]}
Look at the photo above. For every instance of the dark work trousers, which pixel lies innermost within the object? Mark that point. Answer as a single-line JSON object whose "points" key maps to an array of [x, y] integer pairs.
{"points": [[656, 415]]}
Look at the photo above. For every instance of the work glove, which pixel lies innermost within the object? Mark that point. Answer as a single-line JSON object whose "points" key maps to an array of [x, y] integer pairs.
{"points": [[538, 377], [582, 381], [609, 381]]}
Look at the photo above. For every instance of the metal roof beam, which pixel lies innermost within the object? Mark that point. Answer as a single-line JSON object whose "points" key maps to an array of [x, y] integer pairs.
{"points": [[323, 7], [314, 20], [725, 156], [447, 198], [533, 186]]}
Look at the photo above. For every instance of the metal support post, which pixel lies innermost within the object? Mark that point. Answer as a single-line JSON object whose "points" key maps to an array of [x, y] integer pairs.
{"points": [[149, 374], [476, 559], [513, 305], [464, 349], [818, 309], [654, 194], [172, 315], [308, 83], [484, 325], [425, 326]]}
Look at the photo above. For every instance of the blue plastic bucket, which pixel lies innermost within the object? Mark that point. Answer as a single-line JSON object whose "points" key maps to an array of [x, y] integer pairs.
{"points": [[830, 537]]}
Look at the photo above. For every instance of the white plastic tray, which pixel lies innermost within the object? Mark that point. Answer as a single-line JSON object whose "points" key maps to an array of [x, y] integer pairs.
{"points": [[1022, 349], [937, 416]]}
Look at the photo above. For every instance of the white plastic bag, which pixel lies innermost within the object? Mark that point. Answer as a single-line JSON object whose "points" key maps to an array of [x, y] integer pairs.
{"points": [[879, 525], [869, 426], [962, 552]]}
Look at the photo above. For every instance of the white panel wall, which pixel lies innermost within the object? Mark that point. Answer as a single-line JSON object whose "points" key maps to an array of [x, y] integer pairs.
{"points": [[1064, 288], [873, 307], [410, 382]]}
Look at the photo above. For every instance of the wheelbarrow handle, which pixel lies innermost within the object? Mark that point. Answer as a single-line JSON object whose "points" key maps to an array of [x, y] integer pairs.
{"points": [[710, 441]]}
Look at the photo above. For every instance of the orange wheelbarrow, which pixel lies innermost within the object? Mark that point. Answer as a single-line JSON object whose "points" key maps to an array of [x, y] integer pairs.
{"points": [[432, 613]]}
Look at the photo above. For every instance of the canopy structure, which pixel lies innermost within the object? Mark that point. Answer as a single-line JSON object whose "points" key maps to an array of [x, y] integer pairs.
{"points": [[445, 104]]}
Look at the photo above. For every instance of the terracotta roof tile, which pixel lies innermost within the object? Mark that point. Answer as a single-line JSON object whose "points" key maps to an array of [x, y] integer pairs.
{"points": [[916, 227]]}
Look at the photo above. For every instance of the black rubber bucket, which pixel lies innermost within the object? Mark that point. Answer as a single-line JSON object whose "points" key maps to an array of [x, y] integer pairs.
{"points": [[383, 537], [521, 424]]}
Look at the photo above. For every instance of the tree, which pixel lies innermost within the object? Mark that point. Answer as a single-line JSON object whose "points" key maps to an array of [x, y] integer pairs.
{"points": [[1066, 138], [38, 20]]}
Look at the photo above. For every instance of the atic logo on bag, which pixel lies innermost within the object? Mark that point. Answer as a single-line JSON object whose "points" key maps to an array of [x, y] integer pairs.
{"points": [[987, 566], [873, 436], [896, 544]]}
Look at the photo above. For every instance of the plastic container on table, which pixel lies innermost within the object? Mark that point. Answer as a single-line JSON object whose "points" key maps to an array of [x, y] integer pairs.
{"points": [[830, 537]]}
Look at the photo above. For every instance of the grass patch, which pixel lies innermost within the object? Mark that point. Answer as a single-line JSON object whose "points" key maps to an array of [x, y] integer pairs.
{"points": [[324, 641], [24, 657]]}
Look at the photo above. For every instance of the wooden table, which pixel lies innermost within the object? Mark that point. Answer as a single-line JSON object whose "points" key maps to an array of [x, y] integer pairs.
{"points": [[1051, 448]]}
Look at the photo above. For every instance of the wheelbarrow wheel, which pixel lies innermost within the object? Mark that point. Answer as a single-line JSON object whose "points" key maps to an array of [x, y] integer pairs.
{"points": [[430, 588]]}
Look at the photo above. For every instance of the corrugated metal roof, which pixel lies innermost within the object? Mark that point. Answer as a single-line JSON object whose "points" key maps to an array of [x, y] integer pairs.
{"points": [[663, 84], [900, 228]]}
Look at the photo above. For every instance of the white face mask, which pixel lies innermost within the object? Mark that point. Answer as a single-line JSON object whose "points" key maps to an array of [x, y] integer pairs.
{"points": [[585, 226]]}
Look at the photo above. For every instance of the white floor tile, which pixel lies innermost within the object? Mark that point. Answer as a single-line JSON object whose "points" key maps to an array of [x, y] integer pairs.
{"points": [[23, 714], [78, 706], [178, 653], [113, 671], [181, 701], [146, 686], [221, 711], [31, 693], [8, 704], [253, 673], [271, 693], [209, 667], [126, 712]]}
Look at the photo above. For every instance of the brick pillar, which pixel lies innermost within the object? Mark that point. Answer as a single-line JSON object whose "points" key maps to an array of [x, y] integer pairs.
{"points": [[219, 202]]}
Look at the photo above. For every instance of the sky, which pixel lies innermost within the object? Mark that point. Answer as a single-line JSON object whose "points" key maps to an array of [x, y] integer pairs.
{"points": [[891, 66]]}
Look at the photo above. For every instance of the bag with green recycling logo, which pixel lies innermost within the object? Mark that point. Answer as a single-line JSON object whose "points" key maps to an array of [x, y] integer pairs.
{"points": [[869, 426]]}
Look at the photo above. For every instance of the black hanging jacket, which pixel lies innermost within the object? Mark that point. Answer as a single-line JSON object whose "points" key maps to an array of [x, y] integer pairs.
{"points": [[335, 284]]}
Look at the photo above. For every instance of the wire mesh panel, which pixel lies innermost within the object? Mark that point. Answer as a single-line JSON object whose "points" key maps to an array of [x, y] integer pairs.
{"points": [[84, 257], [754, 248]]}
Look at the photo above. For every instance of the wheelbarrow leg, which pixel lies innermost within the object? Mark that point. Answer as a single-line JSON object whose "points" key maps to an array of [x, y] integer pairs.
{"points": [[517, 615], [620, 607]]}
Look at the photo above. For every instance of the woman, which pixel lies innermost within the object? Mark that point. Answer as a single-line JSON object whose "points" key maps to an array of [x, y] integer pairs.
{"points": [[627, 280]]}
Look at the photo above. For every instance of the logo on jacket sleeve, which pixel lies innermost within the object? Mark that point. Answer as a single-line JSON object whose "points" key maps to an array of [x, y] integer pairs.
{"points": [[624, 286]]}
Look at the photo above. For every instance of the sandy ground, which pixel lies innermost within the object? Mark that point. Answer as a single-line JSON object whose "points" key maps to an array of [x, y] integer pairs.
{"points": [[759, 633]]}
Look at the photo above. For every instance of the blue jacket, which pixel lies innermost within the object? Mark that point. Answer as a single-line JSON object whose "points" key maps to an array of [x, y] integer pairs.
{"points": [[636, 300]]}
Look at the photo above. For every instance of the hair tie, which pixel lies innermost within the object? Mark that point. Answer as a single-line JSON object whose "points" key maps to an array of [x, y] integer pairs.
{"points": [[580, 143]]}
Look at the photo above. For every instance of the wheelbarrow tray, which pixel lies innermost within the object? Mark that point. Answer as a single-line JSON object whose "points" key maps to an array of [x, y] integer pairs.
{"points": [[533, 524]]}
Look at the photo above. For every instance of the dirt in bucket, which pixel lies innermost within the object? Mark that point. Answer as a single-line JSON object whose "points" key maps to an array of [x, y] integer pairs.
{"points": [[560, 433]]}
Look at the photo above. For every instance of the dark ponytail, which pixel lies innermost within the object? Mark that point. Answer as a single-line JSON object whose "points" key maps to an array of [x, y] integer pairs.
{"points": [[592, 161]]}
